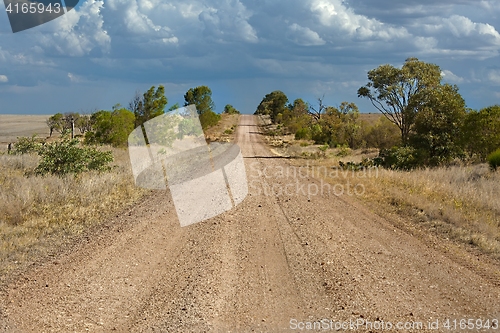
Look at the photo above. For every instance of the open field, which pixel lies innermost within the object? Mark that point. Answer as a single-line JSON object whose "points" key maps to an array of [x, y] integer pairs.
{"points": [[13, 126], [370, 118]]}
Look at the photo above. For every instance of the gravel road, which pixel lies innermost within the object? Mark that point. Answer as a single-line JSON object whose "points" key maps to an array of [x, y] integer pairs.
{"points": [[272, 264]]}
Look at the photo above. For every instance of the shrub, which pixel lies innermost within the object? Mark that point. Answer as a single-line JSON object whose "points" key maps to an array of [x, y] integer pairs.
{"points": [[66, 157], [494, 159], [344, 150], [209, 119], [302, 134], [404, 158], [323, 148], [26, 145]]}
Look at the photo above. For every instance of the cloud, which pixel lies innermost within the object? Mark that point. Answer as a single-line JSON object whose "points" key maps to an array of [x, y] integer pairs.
{"points": [[228, 21], [78, 32], [333, 13], [494, 76], [450, 77], [304, 36], [4, 78], [318, 46]]}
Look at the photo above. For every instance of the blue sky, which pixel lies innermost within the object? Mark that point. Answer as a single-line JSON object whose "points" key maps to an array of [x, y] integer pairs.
{"points": [[102, 52]]}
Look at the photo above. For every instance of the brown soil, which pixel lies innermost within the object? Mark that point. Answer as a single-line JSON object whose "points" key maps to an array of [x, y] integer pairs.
{"points": [[271, 260]]}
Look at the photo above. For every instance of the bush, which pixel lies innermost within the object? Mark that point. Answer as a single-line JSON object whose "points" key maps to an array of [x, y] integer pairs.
{"points": [[302, 134], [404, 158], [65, 157], [343, 150], [26, 145], [209, 119], [494, 159]]}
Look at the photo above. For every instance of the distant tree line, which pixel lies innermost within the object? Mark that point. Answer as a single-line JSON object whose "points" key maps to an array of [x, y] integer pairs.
{"points": [[112, 127], [426, 122]]}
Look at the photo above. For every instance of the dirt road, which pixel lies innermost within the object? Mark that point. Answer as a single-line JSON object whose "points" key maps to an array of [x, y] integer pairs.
{"points": [[272, 264]]}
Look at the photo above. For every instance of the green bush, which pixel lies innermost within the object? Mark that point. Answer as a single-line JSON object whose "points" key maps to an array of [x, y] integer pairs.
{"points": [[404, 158], [323, 148], [66, 157], [302, 134], [344, 150], [494, 159], [209, 119], [26, 145]]}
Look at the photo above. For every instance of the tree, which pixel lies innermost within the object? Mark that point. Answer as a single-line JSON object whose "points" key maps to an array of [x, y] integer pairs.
{"points": [[351, 126], [83, 123], [56, 123], [383, 135], [229, 109], [174, 107], [482, 131], [148, 106], [111, 127], [399, 93], [201, 97], [296, 118], [273, 104], [438, 126], [317, 112]]}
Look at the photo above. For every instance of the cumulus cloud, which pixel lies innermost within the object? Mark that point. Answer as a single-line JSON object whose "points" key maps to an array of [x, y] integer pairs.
{"points": [[304, 36], [4, 78], [79, 31], [448, 76], [306, 41], [228, 21], [334, 13]]}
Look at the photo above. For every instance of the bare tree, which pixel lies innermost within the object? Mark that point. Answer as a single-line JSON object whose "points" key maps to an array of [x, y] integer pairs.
{"points": [[317, 112]]}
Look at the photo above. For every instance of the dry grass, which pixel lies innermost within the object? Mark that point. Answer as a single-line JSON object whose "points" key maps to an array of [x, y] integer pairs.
{"points": [[34, 209], [459, 203], [224, 130], [13, 126]]}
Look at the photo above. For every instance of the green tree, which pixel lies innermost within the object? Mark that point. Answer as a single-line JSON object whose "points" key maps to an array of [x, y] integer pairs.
{"points": [[148, 106], [383, 135], [438, 126], [297, 119], [399, 93], [83, 123], [62, 123], [229, 109], [351, 126], [174, 107], [201, 97], [482, 131], [273, 104], [111, 127]]}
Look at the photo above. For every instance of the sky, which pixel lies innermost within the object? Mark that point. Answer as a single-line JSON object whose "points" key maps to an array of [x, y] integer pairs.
{"points": [[103, 52]]}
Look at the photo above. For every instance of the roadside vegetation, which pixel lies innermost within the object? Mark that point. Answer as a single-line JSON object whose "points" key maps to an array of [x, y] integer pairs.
{"points": [[54, 189], [436, 160]]}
